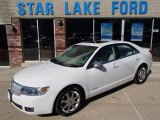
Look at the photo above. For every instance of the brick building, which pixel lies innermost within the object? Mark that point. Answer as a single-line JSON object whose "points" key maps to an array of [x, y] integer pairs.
{"points": [[41, 29]]}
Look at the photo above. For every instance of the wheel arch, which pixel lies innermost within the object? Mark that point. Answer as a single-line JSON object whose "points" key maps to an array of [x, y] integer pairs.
{"points": [[138, 66], [72, 85], [136, 79], [75, 85], [143, 64]]}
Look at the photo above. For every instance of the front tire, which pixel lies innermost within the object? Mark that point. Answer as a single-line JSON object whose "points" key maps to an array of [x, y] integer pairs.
{"points": [[141, 75], [69, 101]]}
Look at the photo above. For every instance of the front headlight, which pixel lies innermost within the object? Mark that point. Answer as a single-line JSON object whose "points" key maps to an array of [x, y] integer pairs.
{"points": [[32, 91]]}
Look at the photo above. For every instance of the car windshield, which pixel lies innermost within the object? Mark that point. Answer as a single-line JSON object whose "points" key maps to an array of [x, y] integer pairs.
{"points": [[75, 56]]}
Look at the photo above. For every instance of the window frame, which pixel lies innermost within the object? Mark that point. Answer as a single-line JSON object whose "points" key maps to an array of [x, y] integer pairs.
{"points": [[133, 48], [116, 53]]}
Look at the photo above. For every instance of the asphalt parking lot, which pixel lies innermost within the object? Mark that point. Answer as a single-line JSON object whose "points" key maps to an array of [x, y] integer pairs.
{"points": [[128, 102]]}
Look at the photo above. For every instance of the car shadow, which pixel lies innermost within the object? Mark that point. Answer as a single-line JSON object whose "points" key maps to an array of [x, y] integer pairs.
{"points": [[99, 96], [111, 91], [107, 93], [149, 73]]}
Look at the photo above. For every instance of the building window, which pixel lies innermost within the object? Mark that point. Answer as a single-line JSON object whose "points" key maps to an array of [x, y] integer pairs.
{"points": [[4, 57], [146, 35], [156, 41], [78, 30], [112, 30]]}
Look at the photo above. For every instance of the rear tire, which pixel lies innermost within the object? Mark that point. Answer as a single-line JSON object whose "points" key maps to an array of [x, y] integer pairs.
{"points": [[69, 101], [141, 75]]}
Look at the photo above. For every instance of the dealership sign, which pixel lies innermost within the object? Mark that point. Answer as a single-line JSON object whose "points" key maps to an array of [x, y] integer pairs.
{"points": [[86, 8]]}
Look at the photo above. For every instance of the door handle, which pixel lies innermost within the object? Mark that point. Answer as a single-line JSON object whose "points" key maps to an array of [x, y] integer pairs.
{"points": [[115, 65], [137, 58]]}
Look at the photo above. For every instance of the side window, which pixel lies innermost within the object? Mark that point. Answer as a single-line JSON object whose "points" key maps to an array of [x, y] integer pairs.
{"points": [[135, 51], [105, 54], [126, 50]]}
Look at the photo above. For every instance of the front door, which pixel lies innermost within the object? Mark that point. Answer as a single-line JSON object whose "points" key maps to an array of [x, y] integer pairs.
{"points": [[38, 39], [102, 78]]}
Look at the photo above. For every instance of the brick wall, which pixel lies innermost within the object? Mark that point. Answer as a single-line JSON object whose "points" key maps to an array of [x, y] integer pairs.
{"points": [[60, 34], [15, 40], [14, 43]]}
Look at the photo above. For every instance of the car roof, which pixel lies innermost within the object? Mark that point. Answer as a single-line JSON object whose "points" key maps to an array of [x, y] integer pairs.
{"points": [[100, 43]]}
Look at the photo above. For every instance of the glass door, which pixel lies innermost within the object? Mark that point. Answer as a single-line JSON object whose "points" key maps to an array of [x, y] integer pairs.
{"points": [[30, 41], [4, 57], [38, 39], [46, 38]]}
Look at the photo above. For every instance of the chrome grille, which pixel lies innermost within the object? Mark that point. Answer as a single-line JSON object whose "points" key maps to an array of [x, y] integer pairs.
{"points": [[16, 88]]}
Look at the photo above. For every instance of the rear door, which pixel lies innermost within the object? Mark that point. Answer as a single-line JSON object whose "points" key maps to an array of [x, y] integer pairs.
{"points": [[129, 58]]}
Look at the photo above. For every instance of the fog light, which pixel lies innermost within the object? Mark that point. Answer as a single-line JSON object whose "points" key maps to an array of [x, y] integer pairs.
{"points": [[28, 109]]}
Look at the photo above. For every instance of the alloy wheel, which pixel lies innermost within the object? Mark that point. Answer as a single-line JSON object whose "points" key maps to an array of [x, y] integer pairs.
{"points": [[142, 74], [70, 101]]}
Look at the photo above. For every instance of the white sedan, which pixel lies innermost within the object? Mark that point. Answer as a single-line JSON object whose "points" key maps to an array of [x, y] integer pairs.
{"points": [[82, 71]]}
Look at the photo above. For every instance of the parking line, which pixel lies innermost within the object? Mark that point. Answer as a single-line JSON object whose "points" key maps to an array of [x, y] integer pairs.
{"points": [[133, 106]]}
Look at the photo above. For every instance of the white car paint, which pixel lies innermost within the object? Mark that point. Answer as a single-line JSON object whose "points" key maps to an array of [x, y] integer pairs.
{"points": [[93, 81]]}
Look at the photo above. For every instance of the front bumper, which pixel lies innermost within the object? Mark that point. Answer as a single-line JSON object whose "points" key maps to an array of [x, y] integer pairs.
{"points": [[32, 105]]}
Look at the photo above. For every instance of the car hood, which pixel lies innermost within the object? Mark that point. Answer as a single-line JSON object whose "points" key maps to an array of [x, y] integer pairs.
{"points": [[43, 74]]}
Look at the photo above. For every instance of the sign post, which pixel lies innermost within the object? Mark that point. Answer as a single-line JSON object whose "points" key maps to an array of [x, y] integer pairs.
{"points": [[122, 30]]}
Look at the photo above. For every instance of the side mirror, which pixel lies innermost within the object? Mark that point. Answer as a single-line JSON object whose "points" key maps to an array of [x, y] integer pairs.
{"points": [[97, 64]]}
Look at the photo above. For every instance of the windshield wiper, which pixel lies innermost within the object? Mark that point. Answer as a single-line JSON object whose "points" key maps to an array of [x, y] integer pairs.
{"points": [[61, 63], [56, 61], [70, 65]]}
